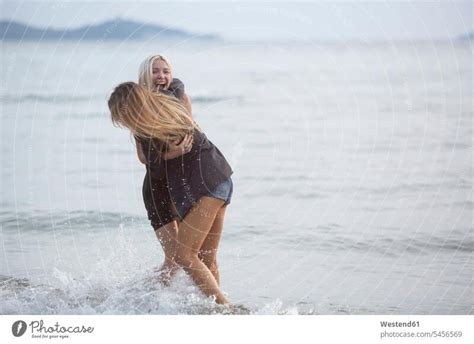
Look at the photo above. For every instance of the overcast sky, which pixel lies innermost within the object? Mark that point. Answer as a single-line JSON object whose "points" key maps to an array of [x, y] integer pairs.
{"points": [[264, 20]]}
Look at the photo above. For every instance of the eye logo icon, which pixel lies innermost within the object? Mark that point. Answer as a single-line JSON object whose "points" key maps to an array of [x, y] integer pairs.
{"points": [[19, 328]]}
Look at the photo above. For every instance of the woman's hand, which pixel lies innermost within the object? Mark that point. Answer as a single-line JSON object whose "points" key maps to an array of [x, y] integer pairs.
{"points": [[176, 150]]}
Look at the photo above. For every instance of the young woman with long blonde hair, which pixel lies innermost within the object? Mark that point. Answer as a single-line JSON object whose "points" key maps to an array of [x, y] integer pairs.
{"points": [[198, 182], [156, 75]]}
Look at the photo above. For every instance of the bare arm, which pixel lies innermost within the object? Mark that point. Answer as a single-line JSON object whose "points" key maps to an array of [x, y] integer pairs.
{"points": [[140, 154]]}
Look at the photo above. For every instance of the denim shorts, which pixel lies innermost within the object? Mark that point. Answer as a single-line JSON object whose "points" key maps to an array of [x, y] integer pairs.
{"points": [[223, 191]]}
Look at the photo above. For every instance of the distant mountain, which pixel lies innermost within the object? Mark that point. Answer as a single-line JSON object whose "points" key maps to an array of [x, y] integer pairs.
{"points": [[467, 36], [115, 29]]}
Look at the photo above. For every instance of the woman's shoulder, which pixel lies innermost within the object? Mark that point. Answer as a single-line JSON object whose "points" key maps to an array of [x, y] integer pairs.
{"points": [[177, 83], [177, 88]]}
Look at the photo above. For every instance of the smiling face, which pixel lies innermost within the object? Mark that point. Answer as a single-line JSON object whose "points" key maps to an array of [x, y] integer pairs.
{"points": [[161, 74]]}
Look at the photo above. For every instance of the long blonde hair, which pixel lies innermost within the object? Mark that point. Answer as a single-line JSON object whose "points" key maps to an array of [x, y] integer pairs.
{"points": [[145, 71], [149, 114]]}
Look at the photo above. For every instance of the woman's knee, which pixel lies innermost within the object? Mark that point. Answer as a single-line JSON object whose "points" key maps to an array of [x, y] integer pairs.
{"points": [[185, 259], [208, 257]]}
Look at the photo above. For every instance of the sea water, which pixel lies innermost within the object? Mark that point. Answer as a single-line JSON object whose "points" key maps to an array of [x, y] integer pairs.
{"points": [[352, 178]]}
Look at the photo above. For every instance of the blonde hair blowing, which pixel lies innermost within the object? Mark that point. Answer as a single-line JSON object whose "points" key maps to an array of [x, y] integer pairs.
{"points": [[145, 72], [149, 114]]}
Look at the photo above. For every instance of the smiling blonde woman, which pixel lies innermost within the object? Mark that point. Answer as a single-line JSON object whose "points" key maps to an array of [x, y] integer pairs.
{"points": [[156, 75], [198, 182]]}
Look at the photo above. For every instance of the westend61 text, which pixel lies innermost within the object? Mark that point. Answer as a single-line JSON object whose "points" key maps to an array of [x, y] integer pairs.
{"points": [[56, 328], [399, 324]]}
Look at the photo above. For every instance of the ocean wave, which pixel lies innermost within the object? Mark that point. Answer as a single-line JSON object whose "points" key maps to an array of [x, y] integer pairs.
{"points": [[214, 99], [69, 295], [33, 221], [78, 98], [139, 295], [51, 98], [385, 246]]}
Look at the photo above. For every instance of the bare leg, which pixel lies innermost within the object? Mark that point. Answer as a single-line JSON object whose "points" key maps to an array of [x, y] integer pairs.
{"points": [[208, 250], [167, 235], [191, 235]]}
